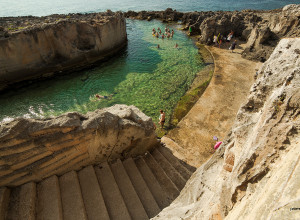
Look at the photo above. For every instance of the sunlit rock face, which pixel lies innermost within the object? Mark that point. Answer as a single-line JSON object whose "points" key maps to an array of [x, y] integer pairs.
{"points": [[255, 174], [33, 149]]}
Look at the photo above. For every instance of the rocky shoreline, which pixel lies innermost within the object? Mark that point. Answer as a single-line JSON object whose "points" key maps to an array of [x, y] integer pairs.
{"points": [[58, 43], [261, 29]]}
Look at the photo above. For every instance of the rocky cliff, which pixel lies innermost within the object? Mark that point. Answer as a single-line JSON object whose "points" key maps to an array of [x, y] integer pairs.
{"points": [[32, 149], [34, 47], [255, 173], [262, 30]]}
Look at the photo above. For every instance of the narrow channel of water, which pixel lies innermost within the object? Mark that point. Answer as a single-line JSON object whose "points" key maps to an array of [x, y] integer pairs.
{"points": [[141, 75]]}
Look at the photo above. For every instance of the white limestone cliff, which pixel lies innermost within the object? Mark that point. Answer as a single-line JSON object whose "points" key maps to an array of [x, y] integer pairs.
{"points": [[255, 174]]}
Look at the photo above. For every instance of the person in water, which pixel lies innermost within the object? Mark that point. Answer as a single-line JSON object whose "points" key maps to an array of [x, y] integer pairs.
{"points": [[158, 46], [162, 118], [103, 96], [176, 45]]}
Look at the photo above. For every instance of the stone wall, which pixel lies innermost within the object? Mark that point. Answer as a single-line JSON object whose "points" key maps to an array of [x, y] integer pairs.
{"points": [[32, 149], [34, 47], [255, 174]]}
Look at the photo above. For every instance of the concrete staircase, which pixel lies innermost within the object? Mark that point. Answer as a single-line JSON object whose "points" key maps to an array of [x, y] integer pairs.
{"points": [[136, 188]]}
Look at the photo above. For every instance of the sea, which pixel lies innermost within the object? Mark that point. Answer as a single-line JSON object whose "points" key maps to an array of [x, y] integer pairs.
{"points": [[47, 7]]}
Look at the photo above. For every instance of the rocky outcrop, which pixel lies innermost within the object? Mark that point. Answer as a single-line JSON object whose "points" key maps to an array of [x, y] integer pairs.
{"points": [[255, 173], [32, 149], [35, 47], [168, 15]]}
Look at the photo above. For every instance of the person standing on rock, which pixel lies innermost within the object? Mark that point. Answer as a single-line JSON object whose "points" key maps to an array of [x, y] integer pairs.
{"points": [[215, 40], [233, 45], [162, 118]]}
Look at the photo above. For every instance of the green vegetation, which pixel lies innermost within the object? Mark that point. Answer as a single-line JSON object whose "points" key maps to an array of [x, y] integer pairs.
{"points": [[188, 100]]}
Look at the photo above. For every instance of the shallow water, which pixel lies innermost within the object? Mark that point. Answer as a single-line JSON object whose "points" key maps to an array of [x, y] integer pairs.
{"points": [[46, 7], [141, 75]]}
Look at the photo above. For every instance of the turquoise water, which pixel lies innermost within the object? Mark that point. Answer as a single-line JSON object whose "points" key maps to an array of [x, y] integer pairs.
{"points": [[46, 7], [141, 75]]}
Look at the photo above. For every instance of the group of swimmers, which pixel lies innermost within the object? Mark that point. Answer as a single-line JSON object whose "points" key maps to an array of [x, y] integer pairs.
{"points": [[168, 34]]}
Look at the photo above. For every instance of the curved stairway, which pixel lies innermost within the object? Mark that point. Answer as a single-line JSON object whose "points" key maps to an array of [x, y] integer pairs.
{"points": [[136, 188]]}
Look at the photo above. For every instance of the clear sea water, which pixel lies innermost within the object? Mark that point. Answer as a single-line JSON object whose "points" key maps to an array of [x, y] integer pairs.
{"points": [[46, 7], [141, 75]]}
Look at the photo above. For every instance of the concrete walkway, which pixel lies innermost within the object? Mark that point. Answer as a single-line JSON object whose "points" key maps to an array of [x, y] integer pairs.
{"points": [[215, 111]]}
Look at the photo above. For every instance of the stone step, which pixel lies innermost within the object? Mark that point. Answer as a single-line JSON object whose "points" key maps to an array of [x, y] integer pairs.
{"points": [[131, 199], [91, 193], [141, 188], [185, 173], [115, 204], [162, 177], [161, 197], [4, 201], [22, 202], [172, 173], [71, 197], [48, 200]]}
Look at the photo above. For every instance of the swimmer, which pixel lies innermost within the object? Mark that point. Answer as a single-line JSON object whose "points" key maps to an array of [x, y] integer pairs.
{"points": [[176, 45], [103, 96], [162, 36], [158, 46]]}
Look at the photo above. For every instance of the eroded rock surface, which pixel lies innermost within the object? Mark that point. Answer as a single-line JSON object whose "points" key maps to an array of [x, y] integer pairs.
{"points": [[255, 173], [37, 47], [32, 149]]}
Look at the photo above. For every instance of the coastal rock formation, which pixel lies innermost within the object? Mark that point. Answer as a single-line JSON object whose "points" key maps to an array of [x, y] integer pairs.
{"points": [[33, 149], [168, 15], [34, 47], [262, 30], [255, 173]]}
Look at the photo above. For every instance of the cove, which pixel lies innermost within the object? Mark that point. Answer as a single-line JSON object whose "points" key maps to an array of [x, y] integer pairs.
{"points": [[140, 75]]}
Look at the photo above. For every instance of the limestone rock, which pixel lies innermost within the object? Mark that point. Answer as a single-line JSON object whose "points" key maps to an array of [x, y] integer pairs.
{"points": [[33, 149], [39, 47], [256, 173]]}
